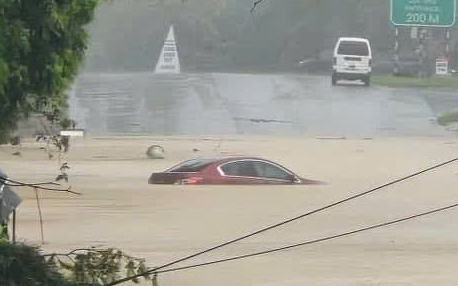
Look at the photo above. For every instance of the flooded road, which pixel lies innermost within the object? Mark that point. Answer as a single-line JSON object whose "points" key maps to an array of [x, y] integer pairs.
{"points": [[163, 223], [229, 104]]}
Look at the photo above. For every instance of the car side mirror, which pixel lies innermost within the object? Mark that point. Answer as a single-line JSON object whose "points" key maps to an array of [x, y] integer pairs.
{"points": [[292, 178]]}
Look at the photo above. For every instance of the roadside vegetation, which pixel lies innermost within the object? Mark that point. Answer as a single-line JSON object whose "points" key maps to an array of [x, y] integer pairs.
{"points": [[27, 265], [450, 81], [433, 82], [42, 46], [24, 265], [448, 117]]}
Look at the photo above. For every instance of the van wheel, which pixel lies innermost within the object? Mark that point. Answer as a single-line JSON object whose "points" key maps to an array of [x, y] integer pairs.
{"points": [[334, 79], [367, 81]]}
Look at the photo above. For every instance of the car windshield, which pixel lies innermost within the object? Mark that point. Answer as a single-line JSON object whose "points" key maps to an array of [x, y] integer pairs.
{"points": [[353, 48], [193, 165]]}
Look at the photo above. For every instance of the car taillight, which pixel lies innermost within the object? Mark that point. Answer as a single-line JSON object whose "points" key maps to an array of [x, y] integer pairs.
{"points": [[334, 61], [189, 181], [370, 62]]}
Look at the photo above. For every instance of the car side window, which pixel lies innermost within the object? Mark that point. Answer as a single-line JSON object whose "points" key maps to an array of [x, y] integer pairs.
{"points": [[242, 168], [229, 169], [271, 171]]}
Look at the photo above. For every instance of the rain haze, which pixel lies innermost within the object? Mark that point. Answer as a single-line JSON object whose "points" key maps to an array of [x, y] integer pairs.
{"points": [[219, 77], [241, 64]]}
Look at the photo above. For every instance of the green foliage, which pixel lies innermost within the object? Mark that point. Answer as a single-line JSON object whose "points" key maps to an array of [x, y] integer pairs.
{"points": [[415, 82], [25, 266], [42, 44], [66, 123], [224, 35], [448, 117], [3, 232], [100, 266]]}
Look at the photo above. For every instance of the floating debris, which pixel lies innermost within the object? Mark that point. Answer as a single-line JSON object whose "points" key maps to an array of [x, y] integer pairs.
{"points": [[155, 152]]}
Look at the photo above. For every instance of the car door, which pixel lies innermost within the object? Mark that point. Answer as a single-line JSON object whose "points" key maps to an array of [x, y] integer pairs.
{"points": [[254, 172], [273, 173], [240, 172]]}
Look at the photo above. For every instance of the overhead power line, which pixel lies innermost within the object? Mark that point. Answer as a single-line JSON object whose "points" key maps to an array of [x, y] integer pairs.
{"points": [[311, 241], [155, 270]]}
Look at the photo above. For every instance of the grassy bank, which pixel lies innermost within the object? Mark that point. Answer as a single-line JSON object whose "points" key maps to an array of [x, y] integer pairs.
{"points": [[448, 117], [413, 82]]}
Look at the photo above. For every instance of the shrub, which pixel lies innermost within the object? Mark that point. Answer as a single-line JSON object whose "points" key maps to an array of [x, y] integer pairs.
{"points": [[24, 265]]}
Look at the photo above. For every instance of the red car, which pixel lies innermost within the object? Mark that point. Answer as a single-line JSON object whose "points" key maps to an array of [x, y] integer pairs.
{"points": [[228, 170]]}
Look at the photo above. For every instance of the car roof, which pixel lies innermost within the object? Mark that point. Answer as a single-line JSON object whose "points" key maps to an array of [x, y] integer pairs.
{"points": [[354, 39], [198, 163], [221, 158]]}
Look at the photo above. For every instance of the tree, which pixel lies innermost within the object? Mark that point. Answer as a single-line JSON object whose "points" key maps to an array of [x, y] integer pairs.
{"points": [[24, 265], [42, 45]]}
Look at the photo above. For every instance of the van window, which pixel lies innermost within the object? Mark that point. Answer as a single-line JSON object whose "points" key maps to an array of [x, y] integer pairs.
{"points": [[353, 48]]}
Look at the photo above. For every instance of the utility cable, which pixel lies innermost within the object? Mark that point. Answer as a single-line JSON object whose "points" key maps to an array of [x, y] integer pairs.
{"points": [[310, 241]]}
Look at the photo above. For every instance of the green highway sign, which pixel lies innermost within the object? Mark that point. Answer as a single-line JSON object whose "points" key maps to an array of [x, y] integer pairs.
{"points": [[428, 13]]}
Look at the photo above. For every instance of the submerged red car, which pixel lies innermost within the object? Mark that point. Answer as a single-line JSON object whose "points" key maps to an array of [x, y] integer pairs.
{"points": [[228, 170]]}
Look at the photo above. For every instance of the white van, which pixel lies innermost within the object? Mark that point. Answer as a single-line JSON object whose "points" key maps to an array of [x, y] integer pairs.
{"points": [[352, 60]]}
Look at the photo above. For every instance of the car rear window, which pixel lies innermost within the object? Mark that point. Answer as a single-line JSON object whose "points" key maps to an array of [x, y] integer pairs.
{"points": [[193, 165], [353, 48]]}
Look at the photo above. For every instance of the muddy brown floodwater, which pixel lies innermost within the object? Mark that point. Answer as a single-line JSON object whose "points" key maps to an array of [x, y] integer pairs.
{"points": [[118, 208]]}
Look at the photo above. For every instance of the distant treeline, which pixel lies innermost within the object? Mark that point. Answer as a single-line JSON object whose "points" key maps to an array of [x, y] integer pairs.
{"points": [[224, 35]]}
